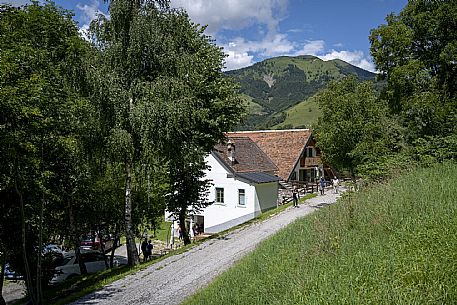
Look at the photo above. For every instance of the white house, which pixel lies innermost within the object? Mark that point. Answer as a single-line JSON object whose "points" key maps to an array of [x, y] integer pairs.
{"points": [[243, 185]]}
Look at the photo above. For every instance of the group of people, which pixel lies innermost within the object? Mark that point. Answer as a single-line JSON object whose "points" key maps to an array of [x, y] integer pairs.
{"points": [[335, 184], [322, 184], [197, 229], [146, 248]]}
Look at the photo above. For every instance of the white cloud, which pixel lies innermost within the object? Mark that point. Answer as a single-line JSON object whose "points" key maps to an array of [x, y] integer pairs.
{"points": [[235, 14], [241, 52], [264, 16], [275, 45], [312, 47], [90, 12], [317, 48], [356, 58], [16, 2], [236, 60], [295, 31]]}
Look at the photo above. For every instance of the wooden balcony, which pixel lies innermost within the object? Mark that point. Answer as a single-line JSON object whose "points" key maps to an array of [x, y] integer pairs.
{"points": [[310, 161]]}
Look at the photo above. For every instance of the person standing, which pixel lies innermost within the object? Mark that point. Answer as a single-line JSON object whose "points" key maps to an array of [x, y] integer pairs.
{"points": [[335, 183], [180, 233], [149, 248], [144, 246], [295, 197], [322, 185]]}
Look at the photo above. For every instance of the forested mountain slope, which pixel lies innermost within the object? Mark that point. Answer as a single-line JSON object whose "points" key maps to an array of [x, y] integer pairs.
{"points": [[277, 84]]}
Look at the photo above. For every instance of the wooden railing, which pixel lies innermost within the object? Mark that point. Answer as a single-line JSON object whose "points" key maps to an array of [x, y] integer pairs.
{"points": [[308, 187], [312, 161]]}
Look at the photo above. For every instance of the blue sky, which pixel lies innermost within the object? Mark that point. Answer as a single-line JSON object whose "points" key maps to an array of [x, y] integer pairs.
{"points": [[253, 30]]}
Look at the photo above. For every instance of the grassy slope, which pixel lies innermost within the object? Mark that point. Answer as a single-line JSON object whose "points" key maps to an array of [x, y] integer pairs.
{"points": [[303, 114], [252, 107], [312, 66], [391, 244]]}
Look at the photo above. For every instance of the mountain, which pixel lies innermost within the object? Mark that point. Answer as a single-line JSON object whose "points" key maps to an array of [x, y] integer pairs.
{"points": [[272, 87]]}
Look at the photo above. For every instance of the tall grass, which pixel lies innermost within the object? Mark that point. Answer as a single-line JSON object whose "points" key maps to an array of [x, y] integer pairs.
{"points": [[394, 243]]}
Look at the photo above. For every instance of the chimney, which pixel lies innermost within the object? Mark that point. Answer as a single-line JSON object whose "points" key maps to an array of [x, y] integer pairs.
{"points": [[231, 151]]}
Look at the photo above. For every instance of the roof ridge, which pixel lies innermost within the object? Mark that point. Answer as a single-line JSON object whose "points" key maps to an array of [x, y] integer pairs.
{"points": [[275, 130], [241, 137]]}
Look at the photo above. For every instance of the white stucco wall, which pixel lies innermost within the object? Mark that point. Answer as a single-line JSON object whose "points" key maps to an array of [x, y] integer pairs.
{"points": [[219, 217]]}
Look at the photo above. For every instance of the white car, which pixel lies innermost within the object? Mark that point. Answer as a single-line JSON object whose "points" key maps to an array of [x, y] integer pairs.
{"points": [[68, 267], [52, 248]]}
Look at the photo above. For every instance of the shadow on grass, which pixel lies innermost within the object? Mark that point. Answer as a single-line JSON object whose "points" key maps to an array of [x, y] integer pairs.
{"points": [[321, 205]]}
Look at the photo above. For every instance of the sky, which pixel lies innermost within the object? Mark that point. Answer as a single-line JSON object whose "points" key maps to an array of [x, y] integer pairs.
{"points": [[253, 30]]}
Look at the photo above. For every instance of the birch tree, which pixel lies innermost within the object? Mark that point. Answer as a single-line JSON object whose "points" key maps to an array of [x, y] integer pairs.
{"points": [[165, 89]]}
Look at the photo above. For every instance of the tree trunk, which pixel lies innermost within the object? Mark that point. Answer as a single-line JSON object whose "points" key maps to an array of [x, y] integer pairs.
{"points": [[182, 225], [75, 240], [115, 243], [111, 257], [39, 291], [132, 254], [102, 249], [28, 276], [2, 274]]}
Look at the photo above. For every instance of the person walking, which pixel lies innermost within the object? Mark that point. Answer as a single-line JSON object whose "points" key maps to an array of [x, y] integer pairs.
{"points": [[322, 185], [295, 197]]}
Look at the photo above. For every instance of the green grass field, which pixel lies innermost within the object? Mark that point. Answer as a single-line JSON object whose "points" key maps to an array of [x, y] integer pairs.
{"points": [[394, 243], [303, 114]]}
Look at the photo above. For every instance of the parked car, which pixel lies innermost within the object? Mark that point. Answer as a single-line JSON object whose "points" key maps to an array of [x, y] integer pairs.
{"points": [[68, 266], [49, 253], [94, 242], [52, 248], [12, 275]]}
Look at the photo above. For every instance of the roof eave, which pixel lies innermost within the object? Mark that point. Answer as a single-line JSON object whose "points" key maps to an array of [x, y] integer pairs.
{"points": [[224, 164]]}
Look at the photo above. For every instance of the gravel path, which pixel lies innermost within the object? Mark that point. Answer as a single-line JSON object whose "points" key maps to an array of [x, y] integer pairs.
{"points": [[13, 291], [173, 279]]}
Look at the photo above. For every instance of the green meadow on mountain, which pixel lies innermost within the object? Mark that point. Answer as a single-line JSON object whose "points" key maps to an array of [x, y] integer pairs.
{"points": [[278, 90]]}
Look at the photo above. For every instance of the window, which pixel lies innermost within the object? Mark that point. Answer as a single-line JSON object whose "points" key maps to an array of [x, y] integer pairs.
{"points": [[310, 151], [219, 195], [241, 197]]}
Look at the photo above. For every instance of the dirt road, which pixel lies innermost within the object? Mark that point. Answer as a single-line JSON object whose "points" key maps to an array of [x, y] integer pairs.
{"points": [[177, 277]]}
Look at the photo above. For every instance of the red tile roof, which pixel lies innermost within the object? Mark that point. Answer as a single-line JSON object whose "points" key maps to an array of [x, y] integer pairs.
{"points": [[284, 147], [248, 156]]}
